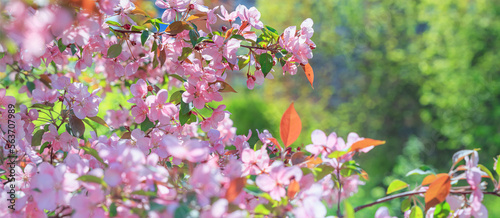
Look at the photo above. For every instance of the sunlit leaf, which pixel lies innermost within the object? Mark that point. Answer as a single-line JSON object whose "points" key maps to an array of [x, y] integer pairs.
{"points": [[438, 191], [196, 17], [293, 188], [405, 205], [235, 188], [396, 185], [416, 212], [290, 126], [309, 73], [99, 121], [442, 210], [364, 144], [430, 178]]}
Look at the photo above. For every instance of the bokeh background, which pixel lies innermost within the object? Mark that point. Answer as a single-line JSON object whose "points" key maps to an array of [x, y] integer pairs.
{"points": [[422, 75]]}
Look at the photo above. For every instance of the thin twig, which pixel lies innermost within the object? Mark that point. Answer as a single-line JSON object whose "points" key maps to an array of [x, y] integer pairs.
{"points": [[410, 193]]}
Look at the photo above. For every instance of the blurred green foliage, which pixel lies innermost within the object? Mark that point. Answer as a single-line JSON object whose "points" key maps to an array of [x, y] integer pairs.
{"points": [[422, 75]]}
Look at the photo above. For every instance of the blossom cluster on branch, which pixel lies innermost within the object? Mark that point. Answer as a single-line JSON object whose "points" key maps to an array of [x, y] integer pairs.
{"points": [[174, 152]]}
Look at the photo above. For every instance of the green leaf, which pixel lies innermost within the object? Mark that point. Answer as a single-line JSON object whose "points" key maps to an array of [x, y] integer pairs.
{"points": [[186, 51], [113, 23], [112, 210], [176, 97], [30, 86], [2, 54], [138, 28], [396, 185], [156, 207], [487, 171], [42, 106], [99, 121], [146, 124], [253, 190], [144, 193], [240, 37], [348, 210], [88, 123], [2, 171], [271, 29], [177, 77], [193, 37], [242, 62], [186, 107], [43, 147], [279, 55], [37, 138], [60, 45], [182, 211], [93, 153], [155, 46], [337, 154], [183, 118], [321, 171], [416, 212], [266, 63], [4, 177], [144, 37], [261, 210], [92, 179], [442, 210], [405, 205], [114, 50], [73, 49]]}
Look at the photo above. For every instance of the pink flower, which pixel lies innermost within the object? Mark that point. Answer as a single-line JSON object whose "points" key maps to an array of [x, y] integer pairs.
{"points": [[54, 186], [254, 162], [382, 212], [321, 144], [6, 100], [140, 111], [160, 109], [139, 89], [24, 177], [191, 150], [45, 96], [230, 17], [279, 176]]}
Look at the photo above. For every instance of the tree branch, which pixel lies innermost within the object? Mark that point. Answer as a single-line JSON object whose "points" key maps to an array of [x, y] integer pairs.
{"points": [[410, 193]]}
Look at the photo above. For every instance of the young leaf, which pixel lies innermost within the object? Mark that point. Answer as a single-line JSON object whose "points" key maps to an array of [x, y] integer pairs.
{"points": [[416, 212], [224, 86], [308, 70], [442, 210], [196, 16], [266, 63], [92, 179], [113, 23], [293, 188], [438, 191], [396, 185], [275, 142], [348, 210], [235, 188], [114, 50], [430, 178], [459, 155], [99, 120], [126, 135], [290, 126], [405, 205], [364, 144]]}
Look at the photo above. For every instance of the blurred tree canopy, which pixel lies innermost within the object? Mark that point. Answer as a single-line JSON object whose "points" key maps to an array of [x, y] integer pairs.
{"points": [[423, 75]]}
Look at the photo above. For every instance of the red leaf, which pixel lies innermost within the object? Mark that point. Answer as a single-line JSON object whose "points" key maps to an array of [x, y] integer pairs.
{"points": [[364, 144], [308, 70], [274, 141], [290, 126], [431, 178], [293, 188], [438, 191], [235, 188]]}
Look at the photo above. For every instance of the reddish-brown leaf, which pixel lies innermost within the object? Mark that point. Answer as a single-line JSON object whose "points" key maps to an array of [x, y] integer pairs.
{"points": [[298, 157], [197, 16], [177, 27], [290, 126], [438, 191], [364, 144], [126, 135], [308, 70], [235, 188], [293, 188], [274, 141], [430, 178]]}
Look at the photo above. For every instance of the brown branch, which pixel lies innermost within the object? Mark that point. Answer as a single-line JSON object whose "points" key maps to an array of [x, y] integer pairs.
{"points": [[410, 193], [127, 31]]}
